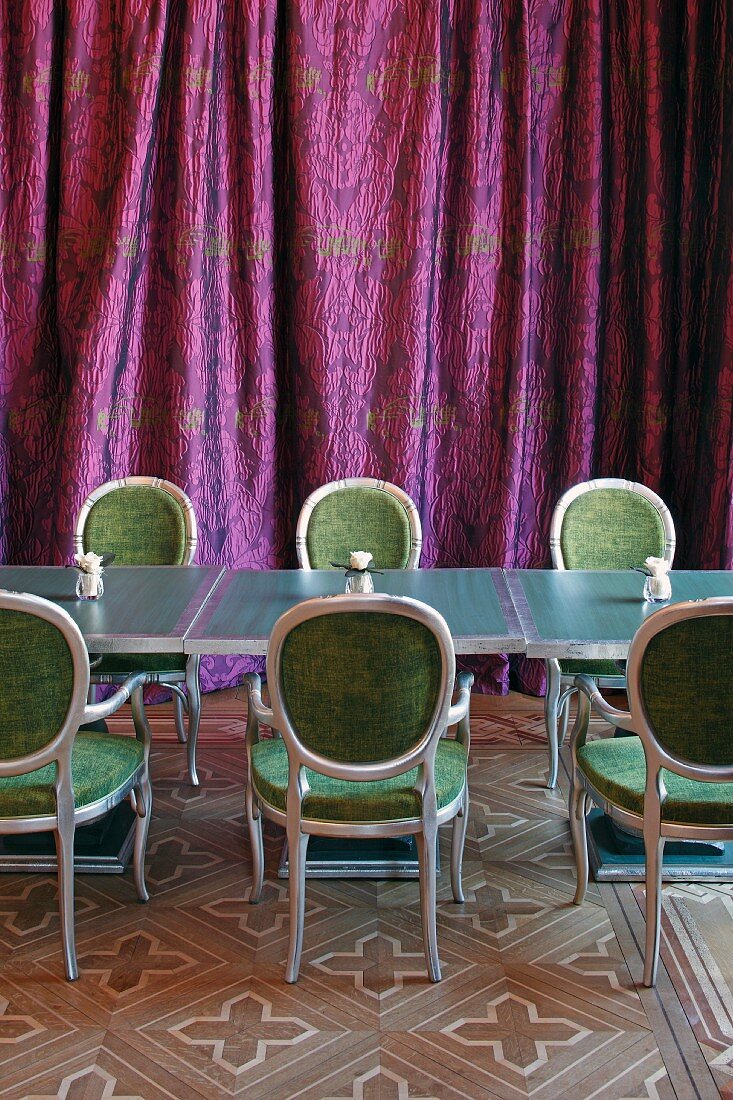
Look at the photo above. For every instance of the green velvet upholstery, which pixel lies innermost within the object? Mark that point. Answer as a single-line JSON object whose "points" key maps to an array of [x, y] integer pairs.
{"points": [[691, 709], [335, 800], [359, 518], [610, 529], [37, 675], [140, 524], [101, 763], [592, 668], [341, 691], [617, 768], [122, 664]]}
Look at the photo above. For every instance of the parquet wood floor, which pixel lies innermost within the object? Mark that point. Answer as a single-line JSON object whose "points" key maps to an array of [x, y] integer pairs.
{"points": [[184, 997]]}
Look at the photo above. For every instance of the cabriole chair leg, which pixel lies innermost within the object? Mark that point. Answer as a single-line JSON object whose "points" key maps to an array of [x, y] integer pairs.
{"points": [[654, 849], [65, 859], [178, 713], [552, 698], [458, 840], [254, 823], [297, 851], [576, 813], [427, 858], [143, 805]]}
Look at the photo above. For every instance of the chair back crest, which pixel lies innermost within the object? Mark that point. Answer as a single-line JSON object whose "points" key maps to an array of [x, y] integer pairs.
{"points": [[359, 513], [142, 520], [360, 682], [610, 523]]}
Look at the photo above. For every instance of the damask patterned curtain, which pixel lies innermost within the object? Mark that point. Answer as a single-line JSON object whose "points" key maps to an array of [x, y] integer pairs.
{"points": [[480, 247]]}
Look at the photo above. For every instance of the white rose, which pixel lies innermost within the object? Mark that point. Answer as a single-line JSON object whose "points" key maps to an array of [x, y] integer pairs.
{"points": [[359, 559], [89, 563], [658, 567]]}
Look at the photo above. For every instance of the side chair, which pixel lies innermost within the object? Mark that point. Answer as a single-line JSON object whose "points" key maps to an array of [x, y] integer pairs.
{"points": [[359, 513], [360, 689], [608, 523], [674, 777], [147, 521], [53, 778]]}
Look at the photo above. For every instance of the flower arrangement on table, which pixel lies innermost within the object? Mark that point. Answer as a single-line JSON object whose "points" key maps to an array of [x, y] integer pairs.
{"points": [[90, 566], [657, 586], [358, 571]]}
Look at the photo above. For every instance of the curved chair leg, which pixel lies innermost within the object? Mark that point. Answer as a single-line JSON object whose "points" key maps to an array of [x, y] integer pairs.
{"points": [[254, 822], [577, 811], [654, 849], [193, 690], [552, 697], [178, 712], [564, 717], [65, 858], [143, 805], [426, 850], [297, 850], [458, 839]]}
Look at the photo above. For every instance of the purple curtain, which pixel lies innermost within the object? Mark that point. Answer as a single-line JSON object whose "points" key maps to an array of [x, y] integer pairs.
{"points": [[480, 247]]}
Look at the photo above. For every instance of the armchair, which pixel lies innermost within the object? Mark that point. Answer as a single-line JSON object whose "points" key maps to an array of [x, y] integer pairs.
{"points": [[360, 691], [147, 521], [608, 523], [674, 776], [53, 778]]}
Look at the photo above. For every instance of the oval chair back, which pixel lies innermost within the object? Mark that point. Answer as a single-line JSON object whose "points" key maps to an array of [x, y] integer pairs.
{"points": [[142, 520], [359, 513], [361, 685], [610, 523]]}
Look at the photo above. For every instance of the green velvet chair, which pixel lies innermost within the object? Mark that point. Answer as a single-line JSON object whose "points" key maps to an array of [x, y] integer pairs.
{"points": [[147, 521], [674, 778], [53, 778], [360, 690], [608, 523], [359, 513]]}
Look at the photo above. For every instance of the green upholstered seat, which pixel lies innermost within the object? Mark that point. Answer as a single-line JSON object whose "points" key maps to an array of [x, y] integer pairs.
{"points": [[617, 769], [592, 668], [122, 664], [101, 764], [359, 518], [335, 800], [610, 529], [140, 524]]}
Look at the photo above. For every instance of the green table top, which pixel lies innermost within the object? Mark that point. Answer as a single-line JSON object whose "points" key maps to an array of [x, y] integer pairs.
{"points": [[245, 605], [144, 609], [595, 614]]}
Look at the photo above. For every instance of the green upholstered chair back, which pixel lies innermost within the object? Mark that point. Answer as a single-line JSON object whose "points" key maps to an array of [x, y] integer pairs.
{"points": [[359, 514], [143, 521], [361, 687], [610, 527], [686, 688], [37, 677]]}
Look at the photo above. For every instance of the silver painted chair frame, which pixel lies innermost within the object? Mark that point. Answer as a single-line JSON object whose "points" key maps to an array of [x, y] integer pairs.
{"points": [[188, 702], [560, 688], [655, 831], [59, 750], [422, 756], [312, 501]]}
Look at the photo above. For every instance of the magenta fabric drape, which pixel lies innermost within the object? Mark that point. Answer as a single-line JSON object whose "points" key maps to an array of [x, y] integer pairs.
{"points": [[481, 248]]}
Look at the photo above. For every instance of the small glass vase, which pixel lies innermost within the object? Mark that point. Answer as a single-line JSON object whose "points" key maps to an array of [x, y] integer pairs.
{"points": [[658, 589], [89, 586], [360, 582]]}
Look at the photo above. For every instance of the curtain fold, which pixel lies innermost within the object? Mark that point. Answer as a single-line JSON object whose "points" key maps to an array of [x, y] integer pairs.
{"points": [[481, 248]]}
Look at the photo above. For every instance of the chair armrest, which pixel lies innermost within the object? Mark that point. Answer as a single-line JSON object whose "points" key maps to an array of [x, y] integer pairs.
{"points": [[94, 712], [256, 710], [619, 718], [459, 711]]}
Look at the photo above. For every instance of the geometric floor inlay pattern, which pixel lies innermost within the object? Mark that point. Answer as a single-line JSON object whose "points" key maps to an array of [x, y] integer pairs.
{"points": [[185, 996]]}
